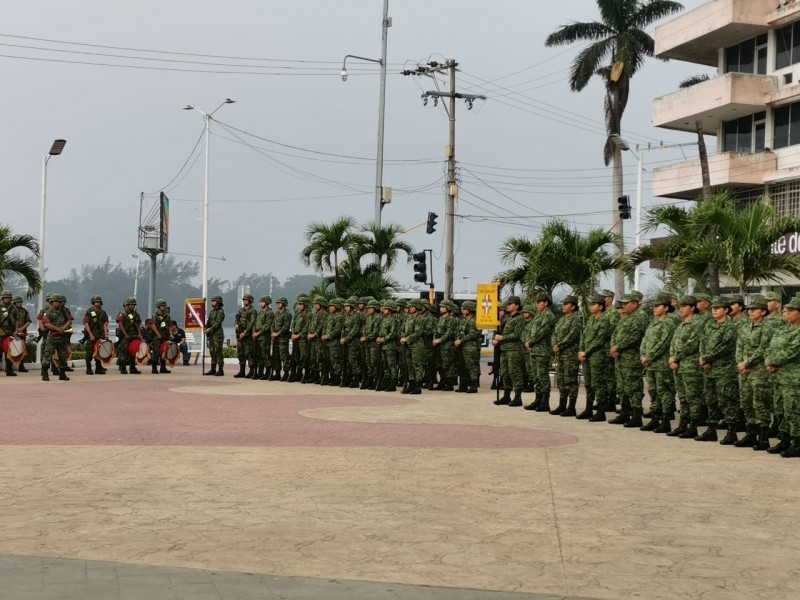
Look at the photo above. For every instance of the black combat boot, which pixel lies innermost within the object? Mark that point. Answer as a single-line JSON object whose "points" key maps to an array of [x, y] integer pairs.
{"points": [[635, 419], [783, 444], [407, 387], [654, 423], [45, 374], [390, 386], [250, 372], [365, 383], [665, 426], [517, 401], [212, 371], [690, 433], [562, 406], [598, 417], [285, 376], [154, 366], [134, 370], [763, 439], [336, 380], [730, 437], [10, 369], [22, 368], [415, 389], [587, 412], [345, 382], [89, 368], [220, 372], [99, 368], [265, 372], [62, 375], [163, 366], [241, 373], [710, 435], [679, 429], [792, 451], [544, 405], [570, 411], [621, 418], [749, 440], [536, 402], [505, 399], [472, 390], [775, 426], [123, 370]]}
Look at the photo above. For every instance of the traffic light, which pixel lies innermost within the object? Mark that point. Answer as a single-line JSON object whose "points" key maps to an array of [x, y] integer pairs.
{"points": [[624, 207], [420, 267], [431, 222]]}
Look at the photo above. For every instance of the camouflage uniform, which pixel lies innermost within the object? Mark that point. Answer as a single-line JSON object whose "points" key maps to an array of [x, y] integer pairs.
{"points": [[280, 333], [627, 338], [57, 316], [539, 339], [95, 324], [332, 335], [160, 326], [351, 334], [783, 354], [718, 350], [388, 335], [130, 328], [7, 326], [215, 336], [412, 340], [446, 329], [470, 337], [262, 339], [684, 349], [565, 342], [245, 320], [751, 347], [300, 327], [608, 377], [512, 346], [594, 345], [372, 350], [655, 350], [316, 358]]}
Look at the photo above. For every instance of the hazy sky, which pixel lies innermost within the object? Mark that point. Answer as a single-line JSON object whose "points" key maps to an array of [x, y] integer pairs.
{"points": [[533, 148]]}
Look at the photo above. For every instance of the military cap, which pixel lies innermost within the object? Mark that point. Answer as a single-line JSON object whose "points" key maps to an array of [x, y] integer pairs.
{"points": [[161, 302], [217, 298], [501, 306], [607, 293], [302, 297], [701, 296], [469, 305], [630, 298], [248, 297], [598, 299], [793, 304], [736, 299], [302, 300], [401, 303], [638, 294], [335, 302], [390, 304], [16, 299], [772, 297], [266, 299], [757, 301], [374, 304], [6, 294], [49, 296], [543, 297], [570, 300], [447, 304], [352, 301], [528, 308], [618, 304], [662, 300], [128, 300], [688, 300], [514, 300], [414, 304], [319, 300], [282, 300], [720, 302], [96, 299], [363, 300]]}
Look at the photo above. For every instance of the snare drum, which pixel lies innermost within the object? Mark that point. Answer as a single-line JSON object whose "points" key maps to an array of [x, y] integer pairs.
{"points": [[103, 351], [139, 350], [14, 349], [169, 351]]}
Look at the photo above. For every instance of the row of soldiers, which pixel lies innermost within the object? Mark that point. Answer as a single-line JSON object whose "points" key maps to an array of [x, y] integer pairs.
{"points": [[730, 364], [353, 342]]}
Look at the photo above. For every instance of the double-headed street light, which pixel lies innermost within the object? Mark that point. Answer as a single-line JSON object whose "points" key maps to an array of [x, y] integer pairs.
{"points": [[207, 118], [55, 150]]}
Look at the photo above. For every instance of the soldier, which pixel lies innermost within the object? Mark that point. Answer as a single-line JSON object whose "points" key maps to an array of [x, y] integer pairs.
{"points": [[281, 331], [443, 339], [262, 339], [57, 321], [775, 323], [22, 320], [751, 347], [369, 334], [412, 344], [95, 324], [511, 345], [612, 315], [783, 363], [387, 339], [300, 327], [540, 344], [528, 312], [130, 328], [625, 342], [499, 364], [654, 356], [215, 336], [160, 327], [315, 348], [350, 342], [402, 363], [7, 326], [245, 320], [469, 340], [331, 337], [593, 354], [684, 361], [428, 333], [565, 343], [718, 360]]}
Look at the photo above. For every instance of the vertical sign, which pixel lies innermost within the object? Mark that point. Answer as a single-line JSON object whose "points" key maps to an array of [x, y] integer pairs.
{"points": [[487, 300], [164, 213], [194, 314]]}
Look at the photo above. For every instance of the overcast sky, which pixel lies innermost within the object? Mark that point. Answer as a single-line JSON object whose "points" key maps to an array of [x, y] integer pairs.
{"points": [[533, 148]]}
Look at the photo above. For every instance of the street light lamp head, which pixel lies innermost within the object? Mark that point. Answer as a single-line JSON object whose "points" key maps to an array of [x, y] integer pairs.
{"points": [[618, 142], [344, 74], [57, 147], [229, 101], [188, 107]]}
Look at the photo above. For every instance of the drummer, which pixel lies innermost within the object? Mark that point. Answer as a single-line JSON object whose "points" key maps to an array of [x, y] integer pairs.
{"points": [[160, 327], [58, 321], [22, 320], [130, 328], [95, 324], [7, 326]]}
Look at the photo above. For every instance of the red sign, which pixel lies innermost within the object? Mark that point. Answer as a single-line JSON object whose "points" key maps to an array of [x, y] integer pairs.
{"points": [[194, 314]]}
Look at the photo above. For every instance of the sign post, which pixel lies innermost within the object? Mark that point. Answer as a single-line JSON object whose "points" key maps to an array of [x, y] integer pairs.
{"points": [[487, 300]]}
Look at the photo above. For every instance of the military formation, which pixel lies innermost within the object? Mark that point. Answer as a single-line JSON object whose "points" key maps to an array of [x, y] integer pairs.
{"points": [[719, 364], [353, 342]]}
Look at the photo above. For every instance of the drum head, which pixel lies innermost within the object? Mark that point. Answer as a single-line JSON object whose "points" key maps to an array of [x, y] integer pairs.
{"points": [[104, 349], [173, 351], [16, 348]]}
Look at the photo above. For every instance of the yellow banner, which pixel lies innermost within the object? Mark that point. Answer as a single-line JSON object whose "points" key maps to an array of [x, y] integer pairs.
{"points": [[487, 300]]}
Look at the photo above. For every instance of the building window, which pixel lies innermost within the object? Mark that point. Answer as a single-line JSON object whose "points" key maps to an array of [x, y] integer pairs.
{"points": [[749, 56], [785, 197], [788, 45], [746, 134], [787, 125]]}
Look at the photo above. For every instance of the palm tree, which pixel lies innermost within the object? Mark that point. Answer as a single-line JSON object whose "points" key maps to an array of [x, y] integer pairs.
{"points": [[384, 243], [371, 280], [327, 242], [11, 263], [516, 252]]}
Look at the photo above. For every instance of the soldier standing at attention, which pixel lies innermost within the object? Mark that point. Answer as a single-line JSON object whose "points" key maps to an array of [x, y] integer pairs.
{"points": [[95, 323], [300, 327], [654, 356], [412, 341], [130, 328], [387, 339], [331, 337], [160, 327], [444, 336], [565, 343], [540, 343], [371, 348], [262, 339], [775, 322], [783, 362], [57, 320], [314, 352], [7, 326], [611, 315], [469, 340], [245, 320], [593, 352], [215, 336], [350, 342], [511, 345], [718, 360], [751, 348], [281, 330], [428, 333], [625, 344], [22, 319], [684, 361], [528, 312]]}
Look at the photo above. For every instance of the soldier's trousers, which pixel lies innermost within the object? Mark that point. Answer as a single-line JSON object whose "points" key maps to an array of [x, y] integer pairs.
{"points": [[722, 398], [516, 370], [689, 388], [335, 350], [776, 401], [541, 375], [261, 347], [790, 395], [594, 374], [389, 356], [416, 362], [354, 359], [619, 387], [754, 397], [471, 353], [567, 373], [244, 351], [660, 385], [504, 378], [215, 350], [60, 347], [373, 351], [529, 370], [630, 386], [447, 366], [300, 351]]}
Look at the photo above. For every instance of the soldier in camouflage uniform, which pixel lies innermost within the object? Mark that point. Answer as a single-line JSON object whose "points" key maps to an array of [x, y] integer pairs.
{"points": [[22, 319], [372, 350], [654, 356], [611, 315], [57, 321], [262, 338], [565, 343], [351, 341], [331, 337], [7, 326], [499, 364], [539, 342], [684, 361], [718, 360], [593, 355], [245, 321], [783, 362], [703, 319], [512, 345], [625, 342], [444, 337], [387, 339], [95, 324], [469, 339], [300, 328], [402, 364], [215, 335], [775, 323], [160, 327], [281, 330], [414, 347], [528, 313], [130, 328], [315, 348], [751, 347]]}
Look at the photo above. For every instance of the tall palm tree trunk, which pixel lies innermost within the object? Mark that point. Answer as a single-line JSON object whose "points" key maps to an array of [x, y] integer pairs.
{"points": [[713, 270]]}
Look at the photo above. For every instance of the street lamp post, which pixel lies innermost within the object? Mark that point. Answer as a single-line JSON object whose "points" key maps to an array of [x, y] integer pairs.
{"points": [[207, 118], [387, 22], [136, 277], [55, 150]]}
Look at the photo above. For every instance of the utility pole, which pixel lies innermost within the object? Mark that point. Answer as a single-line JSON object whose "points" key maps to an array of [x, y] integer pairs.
{"points": [[450, 152]]}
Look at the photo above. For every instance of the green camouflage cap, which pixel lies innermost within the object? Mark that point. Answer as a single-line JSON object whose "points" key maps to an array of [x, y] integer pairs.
{"points": [[429, 306], [570, 300], [60, 297], [96, 299], [401, 303], [598, 299], [607, 293], [638, 294], [662, 300], [772, 297], [217, 298], [736, 299], [688, 301], [248, 297], [266, 299], [49, 296], [161, 302], [701, 296], [6, 294], [16, 299], [720, 302], [374, 304], [514, 300], [363, 300], [128, 300], [528, 308], [351, 301], [793, 304], [390, 304], [757, 301], [301, 300], [470, 305], [282, 300], [543, 297], [630, 298]]}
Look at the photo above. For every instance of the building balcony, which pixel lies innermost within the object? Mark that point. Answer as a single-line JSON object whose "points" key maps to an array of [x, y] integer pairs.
{"points": [[728, 169], [723, 98], [784, 13], [696, 36]]}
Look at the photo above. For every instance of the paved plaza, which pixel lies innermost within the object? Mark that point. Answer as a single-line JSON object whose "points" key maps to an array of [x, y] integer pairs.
{"points": [[178, 486]]}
